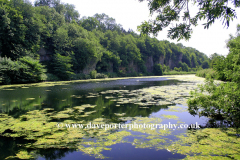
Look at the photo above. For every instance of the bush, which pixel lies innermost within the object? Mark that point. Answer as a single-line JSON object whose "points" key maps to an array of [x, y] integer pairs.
{"points": [[157, 70], [205, 65], [217, 101], [23, 70], [93, 74], [178, 69], [205, 72], [51, 77], [101, 75], [131, 74], [87, 76], [184, 66], [78, 76], [112, 75], [62, 67]]}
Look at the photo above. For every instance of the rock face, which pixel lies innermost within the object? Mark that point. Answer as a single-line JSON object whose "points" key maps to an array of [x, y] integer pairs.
{"points": [[149, 64], [132, 67], [171, 63], [180, 57], [90, 66], [110, 69], [44, 55], [161, 60]]}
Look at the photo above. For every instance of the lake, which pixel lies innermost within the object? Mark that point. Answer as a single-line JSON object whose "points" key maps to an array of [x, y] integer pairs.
{"points": [[135, 118]]}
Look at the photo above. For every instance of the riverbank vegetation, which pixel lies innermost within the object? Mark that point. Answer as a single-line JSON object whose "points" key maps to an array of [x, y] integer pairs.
{"points": [[49, 41], [222, 100]]}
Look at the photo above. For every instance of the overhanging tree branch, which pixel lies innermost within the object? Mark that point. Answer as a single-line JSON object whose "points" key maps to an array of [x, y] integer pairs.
{"points": [[209, 10]]}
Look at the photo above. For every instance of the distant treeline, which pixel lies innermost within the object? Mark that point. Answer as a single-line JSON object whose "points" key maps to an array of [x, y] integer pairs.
{"points": [[49, 41]]}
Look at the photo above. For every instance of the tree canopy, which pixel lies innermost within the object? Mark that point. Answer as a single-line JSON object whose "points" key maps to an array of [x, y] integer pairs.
{"points": [[169, 11], [51, 37]]}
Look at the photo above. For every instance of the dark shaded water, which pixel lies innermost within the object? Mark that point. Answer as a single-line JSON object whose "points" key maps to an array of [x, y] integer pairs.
{"points": [[19, 101]]}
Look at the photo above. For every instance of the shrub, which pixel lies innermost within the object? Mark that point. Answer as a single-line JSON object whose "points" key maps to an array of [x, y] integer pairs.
{"points": [[52, 77], [157, 69], [217, 101], [205, 65], [62, 66], [101, 75], [112, 75], [23, 70], [93, 74], [183, 65], [205, 72]]}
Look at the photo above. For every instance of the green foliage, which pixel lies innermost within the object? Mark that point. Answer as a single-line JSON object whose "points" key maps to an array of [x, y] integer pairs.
{"points": [[52, 32], [205, 65], [51, 77], [166, 68], [207, 72], [62, 66], [194, 62], [112, 75], [93, 74], [157, 70], [220, 100], [184, 66], [35, 71], [178, 73], [217, 101], [178, 69], [24, 70], [170, 11], [80, 76], [109, 61], [85, 51], [101, 75]]}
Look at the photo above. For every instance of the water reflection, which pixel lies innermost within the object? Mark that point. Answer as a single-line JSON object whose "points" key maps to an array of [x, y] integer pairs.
{"points": [[33, 130]]}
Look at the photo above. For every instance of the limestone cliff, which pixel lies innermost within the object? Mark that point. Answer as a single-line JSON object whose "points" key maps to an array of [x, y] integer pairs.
{"points": [[44, 54], [149, 64], [132, 67], [90, 66]]}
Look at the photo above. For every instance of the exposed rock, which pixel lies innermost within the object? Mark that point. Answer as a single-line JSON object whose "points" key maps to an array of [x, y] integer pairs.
{"points": [[44, 54], [180, 57], [149, 64], [90, 66], [172, 63], [110, 69], [161, 60], [132, 67]]}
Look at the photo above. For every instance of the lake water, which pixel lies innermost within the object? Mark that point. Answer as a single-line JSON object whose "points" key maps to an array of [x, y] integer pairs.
{"points": [[134, 118]]}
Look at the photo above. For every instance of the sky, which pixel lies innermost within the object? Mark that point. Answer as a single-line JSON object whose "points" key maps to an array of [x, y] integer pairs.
{"points": [[131, 13]]}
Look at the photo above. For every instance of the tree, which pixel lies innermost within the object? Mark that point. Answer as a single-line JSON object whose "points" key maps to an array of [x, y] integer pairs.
{"points": [[71, 13], [62, 66], [184, 66], [24, 70], [43, 3], [157, 70], [169, 11], [205, 65], [221, 100]]}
